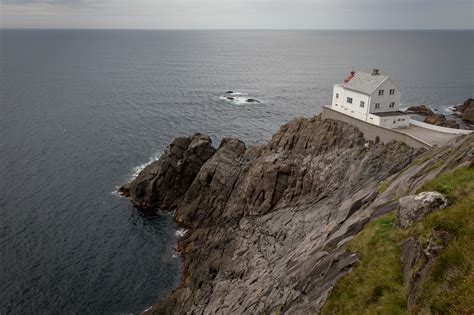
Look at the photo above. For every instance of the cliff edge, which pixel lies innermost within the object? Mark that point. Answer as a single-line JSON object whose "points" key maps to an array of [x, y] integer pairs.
{"points": [[268, 224]]}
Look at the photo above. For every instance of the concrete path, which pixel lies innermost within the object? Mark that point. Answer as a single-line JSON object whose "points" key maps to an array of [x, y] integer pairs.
{"points": [[432, 137]]}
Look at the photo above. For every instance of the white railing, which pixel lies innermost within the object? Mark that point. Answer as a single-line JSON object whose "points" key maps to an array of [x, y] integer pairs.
{"points": [[439, 128]]}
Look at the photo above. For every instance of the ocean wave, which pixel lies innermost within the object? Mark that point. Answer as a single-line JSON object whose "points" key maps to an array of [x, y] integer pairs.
{"points": [[137, 169], [237, 93], [238, 100], [135, 172], [180, 232], [449, 110], [116, 192]]}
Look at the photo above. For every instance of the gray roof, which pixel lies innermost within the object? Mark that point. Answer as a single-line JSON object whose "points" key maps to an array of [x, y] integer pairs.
{"points": [[365, 82]]}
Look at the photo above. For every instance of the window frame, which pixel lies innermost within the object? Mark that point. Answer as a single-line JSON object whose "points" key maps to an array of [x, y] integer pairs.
{"points": [[349, 100], [381, 92], [377, 106], [362, 104], [392, 92]]}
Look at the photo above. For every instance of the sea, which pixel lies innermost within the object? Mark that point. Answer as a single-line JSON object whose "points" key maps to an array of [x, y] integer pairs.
{"points": [[83, 111]]}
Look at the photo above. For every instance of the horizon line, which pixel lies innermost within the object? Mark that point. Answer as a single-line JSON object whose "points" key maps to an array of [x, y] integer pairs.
{"points": [[237, 29]]}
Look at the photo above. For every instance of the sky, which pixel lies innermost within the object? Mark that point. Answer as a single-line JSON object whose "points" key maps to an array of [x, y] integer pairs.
{"points": [[238, 14]]}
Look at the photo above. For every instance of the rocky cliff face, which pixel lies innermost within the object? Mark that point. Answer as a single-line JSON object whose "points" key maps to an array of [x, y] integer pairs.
{"points": [[466, 111], [268, 223]]}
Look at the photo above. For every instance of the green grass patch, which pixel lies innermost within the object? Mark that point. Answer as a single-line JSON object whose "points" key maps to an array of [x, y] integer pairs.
{"points": [[383, 186], [375, 285]]}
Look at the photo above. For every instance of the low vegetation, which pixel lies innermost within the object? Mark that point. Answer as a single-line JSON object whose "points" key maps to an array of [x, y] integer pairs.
{"points": [[375, 285]]}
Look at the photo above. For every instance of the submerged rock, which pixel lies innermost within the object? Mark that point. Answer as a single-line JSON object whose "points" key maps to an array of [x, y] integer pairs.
{"points": [[414, 207], [252, 100]]}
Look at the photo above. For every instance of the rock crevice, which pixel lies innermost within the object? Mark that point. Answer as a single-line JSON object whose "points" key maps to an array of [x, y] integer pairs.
{"points": [[268, 223]]}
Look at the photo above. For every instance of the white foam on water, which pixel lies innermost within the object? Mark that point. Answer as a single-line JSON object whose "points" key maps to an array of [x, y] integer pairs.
{"points": [[116, 192], [180, 232], [148, 309], [238, 100], [449, 109], [137, 169]]}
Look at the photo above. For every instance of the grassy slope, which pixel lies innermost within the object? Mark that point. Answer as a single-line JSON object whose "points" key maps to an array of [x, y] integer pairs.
{"points": [[375, 285]]}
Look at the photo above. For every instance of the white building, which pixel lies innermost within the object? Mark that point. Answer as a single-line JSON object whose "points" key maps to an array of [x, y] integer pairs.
{"points": [[370, 97]]}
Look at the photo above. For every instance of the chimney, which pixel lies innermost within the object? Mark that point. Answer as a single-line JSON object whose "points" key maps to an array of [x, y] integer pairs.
{"points": [[349, 77], [375, 72]]}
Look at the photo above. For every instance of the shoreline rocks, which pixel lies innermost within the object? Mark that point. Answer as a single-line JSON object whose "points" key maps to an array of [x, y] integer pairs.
{"points": [[465, 111], [268, 223], [432, 118]]}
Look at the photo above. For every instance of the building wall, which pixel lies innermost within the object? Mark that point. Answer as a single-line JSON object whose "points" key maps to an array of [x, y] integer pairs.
{"points": [[402, 121], [372, 119], [354, 109], [385, 99], [371, 132]]}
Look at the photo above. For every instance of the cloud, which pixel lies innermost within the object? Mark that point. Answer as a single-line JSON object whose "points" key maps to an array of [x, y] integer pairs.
{"points": [[321, 14]]}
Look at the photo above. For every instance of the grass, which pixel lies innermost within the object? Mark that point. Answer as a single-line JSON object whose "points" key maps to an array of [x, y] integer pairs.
{"points": [[375, 285], [383, 186]]}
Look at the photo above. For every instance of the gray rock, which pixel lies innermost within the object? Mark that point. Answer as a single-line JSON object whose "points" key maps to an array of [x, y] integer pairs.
{"points": [[268, 223], [417, 261], [164, 182], [413, 207]]}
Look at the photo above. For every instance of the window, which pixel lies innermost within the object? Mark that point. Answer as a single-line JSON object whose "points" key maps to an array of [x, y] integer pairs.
{"points": [[392, 91], [377, 105], [349, 100], [391, 105], [362, 104], [380, 92], [337, 95]]}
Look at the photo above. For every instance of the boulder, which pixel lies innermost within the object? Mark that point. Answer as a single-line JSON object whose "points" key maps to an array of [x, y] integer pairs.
{"points": [[421, 110], [162, 183], [230, 98], [414, 207], [230, 92], [440, 120], [252, 100], [466, 111], [432, 118]]}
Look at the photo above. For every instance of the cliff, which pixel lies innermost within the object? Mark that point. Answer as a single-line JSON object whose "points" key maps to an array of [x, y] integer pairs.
{"points": [[466, 111], [269, 224]]}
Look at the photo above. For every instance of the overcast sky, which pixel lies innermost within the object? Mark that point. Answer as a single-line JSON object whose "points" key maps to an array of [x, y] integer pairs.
{"points": [[238, 14]]}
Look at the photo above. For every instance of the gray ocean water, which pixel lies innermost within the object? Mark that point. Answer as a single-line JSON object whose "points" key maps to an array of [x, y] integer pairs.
{"points": [[81, 111]]}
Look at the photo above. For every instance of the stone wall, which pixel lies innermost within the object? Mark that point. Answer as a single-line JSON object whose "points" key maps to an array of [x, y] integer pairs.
{"points": [[372, 131]]}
